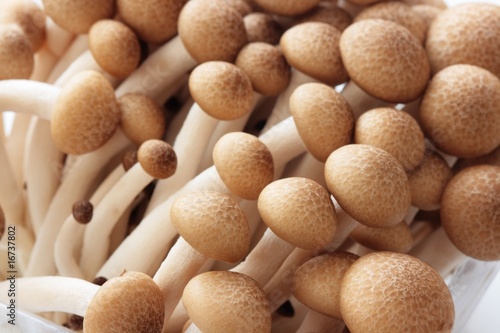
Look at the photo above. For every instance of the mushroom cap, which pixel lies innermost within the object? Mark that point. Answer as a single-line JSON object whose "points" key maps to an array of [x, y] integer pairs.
{"points": [[313, 48], [227, 302], [394, 131], [428, 181], [262, 27], [385, 60], [266, 67], [129, 159], [436, 3], [287, 7], [394, 292], [154, 21], [491, 158], [369, 184], [213, 224], [115, 47], [460, 111], [16, 54], [222, 90], [328, 12], [397, 238], [299, 211], [241, 6], [131, 302], [396, 12], [86, 114], [428, 13], [470, 211], [157, 158], [77, 16], [323, 118], [28, 16], [316, 283], [142, 118], [244, 164], [363, 2], [83, 211], [211, 30], [465, 34]]}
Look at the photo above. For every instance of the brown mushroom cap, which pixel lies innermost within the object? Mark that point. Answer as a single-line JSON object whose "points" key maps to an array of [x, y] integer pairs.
{"points": [[241, 6], [299, 211], [266, 66], [428, 181], [213, 224], [323, 118], [211, 30], [86, 114], [227, 302], [128, 303], [244, 164], [313, 48], [317, 282], [396, 12], [397, 238], [394, 131], [115, 47], [385, 60], [436, 3], [142, 118], [428, 13], [83, 211], [394, 292], [221, 89], [460, 111], [466, 34], [287, 7], [157, 158], [154, 21], [491, 158], [470, 211], [77, 16], [328, 12], [363, 2], [16, 54], [369, 184], [262, 27]]}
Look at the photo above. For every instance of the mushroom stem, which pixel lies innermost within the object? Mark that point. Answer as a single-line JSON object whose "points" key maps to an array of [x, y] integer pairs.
{"points": [[11, 196], [84, 62], [15, 144], [45, 61], [359, 100], [320, 323], [57, 38], [79, 46]]}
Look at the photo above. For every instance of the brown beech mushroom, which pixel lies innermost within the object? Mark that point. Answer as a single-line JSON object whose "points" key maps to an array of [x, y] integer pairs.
{"points": [[328, 12], [393, 292], [16, 53], [227, 302], [470, 211], [262, 27], [428, 13], [436, 3], [287, 7], [460, 111], [241, 6], [397, 238], [369, 184], [394, 131]]}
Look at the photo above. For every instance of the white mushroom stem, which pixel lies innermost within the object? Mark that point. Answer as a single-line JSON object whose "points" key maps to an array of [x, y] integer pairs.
{"points": [[57, 38], [45, 61], [51, 293], [359, 100], [85, 61], [24, 246], [11, 196], [13, 97], [15, 144], [320, 323], [79, 46]]}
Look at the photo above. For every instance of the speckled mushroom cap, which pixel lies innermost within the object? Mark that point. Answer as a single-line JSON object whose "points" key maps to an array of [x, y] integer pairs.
{"points": [[316, 283], [221, 89], [86, 114], [266, 67], [397, 238], [154, 21], [241, 6], [394, 292], [396, 12], [287, 7], [244, 164], [323, 118], [394, 131], [262, 27], [142, 118], [157, 158], [369, 184], [460, 111], [363, 2], [428, 13], [470, 211], [129, 303], [227, 302], [466, 34], [77, 16], [29, 17], [428, 181], [211, 30], [115, 47], [299, 211], [436, 3], [328, 12], [213, 224], [16, 54], [313, 48], [491, 158], [385, 60]]}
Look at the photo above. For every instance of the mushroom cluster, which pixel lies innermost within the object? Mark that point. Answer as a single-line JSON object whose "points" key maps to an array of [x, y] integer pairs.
{"points": [[246, 165]]}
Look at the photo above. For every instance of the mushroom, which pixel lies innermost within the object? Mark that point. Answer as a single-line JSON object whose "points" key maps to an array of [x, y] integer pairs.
{"points": [[261, 27], [328, 12], [460, 111], [390, 292], [470, 209], [287, 8], [397, 238], [16, 54], [436, 3]]}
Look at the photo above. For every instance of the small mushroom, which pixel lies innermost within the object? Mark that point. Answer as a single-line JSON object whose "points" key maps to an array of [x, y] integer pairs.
{"points": [[397, 238], [287, 7], [16, 53], [82, 211], [328, 12], [262, 27]]}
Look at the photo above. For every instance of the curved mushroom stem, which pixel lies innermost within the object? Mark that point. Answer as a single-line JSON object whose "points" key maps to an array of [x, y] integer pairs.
{"points": [[13, 97], [57, 38], [84, 62], [79, 46], [319, 323], [11, 196], [359, 100]]}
